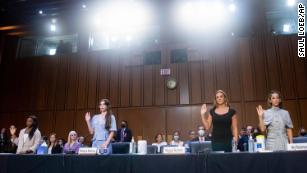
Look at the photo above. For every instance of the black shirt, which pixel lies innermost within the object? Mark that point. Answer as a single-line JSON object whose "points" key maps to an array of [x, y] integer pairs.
{"points": [[222, 133]]}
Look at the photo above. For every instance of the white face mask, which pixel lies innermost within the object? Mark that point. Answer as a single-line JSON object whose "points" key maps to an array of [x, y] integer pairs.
{"points": [[176, 138], [201, 133]]}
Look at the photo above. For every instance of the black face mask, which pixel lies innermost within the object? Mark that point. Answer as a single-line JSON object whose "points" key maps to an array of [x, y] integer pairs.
{"points": [[123, 125]]}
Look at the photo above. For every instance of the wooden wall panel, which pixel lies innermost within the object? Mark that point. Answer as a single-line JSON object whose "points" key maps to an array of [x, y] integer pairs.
{"points": [[246, 70], [153, 122], [195, 118], [208, 80], [80, 125], [195, 82], [82, 83], [72, 83], [46, 122], [125, 86], [272, 63], [148, 85], [233, 62], [303, 112], [291, 106], [178, 118], [258, 55], [251, 116], [221, 70], [92, 81], [64, 123], [183, 74], [239, 113], [159, 87], [103, 78], [61, 83], [132, 116], [42, 83], [136, 86], [114, 80], [52, 78], [286, 71], [172, 94]]}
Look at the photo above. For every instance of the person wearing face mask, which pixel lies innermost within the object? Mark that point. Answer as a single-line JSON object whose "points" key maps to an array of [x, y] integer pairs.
{"points": [[302, 132], [201, 135], [176, 140], [223, 121], [124, 134], [276, 122]]}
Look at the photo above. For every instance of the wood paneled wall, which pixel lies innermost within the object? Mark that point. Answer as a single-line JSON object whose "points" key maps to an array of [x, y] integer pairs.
{"points": [[60, 89]]}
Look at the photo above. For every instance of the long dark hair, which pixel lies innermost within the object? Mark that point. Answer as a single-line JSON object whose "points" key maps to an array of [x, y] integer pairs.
{"points": [[49, 142], [109, 113], [34, 126]]}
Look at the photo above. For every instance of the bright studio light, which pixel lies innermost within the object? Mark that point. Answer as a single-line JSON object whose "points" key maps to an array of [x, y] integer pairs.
{"points": [[232, 7], [286, 28], [291, 2], [201, 14], [121, 16], [40, 12], [52, 28]]}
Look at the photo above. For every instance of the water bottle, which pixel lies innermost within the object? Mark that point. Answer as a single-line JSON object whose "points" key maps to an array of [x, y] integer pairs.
{"points": [[132, 146], [234, 146], [251, 145]]}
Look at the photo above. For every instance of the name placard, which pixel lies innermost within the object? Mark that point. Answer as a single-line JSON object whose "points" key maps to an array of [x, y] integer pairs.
{"points": [[173, 150], [297, 146], [87, 151]]}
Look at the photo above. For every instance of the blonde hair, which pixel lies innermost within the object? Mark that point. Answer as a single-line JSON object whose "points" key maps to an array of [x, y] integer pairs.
{"points": [[225, 98], [69, 134]]}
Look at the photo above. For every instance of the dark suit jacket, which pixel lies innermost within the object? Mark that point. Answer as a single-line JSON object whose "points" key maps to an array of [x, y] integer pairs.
{"points": [[127, 135]]}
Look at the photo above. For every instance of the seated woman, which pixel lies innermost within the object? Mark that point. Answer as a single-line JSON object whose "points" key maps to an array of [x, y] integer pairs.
{"points": [[72, 146], [29, 137], [176, 140], [53, 146], [159, 141], [13, 142]]}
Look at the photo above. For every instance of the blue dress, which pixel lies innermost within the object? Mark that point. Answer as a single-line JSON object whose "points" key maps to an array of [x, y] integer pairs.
{"points": [[101, 134]]}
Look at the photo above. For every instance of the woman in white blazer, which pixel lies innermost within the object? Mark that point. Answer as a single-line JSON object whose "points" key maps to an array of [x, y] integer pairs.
{"points": [[29, 137]]}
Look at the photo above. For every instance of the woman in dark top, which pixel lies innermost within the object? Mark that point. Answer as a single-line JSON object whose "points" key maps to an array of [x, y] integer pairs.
{"points": [[53, 146], [224, 122]]}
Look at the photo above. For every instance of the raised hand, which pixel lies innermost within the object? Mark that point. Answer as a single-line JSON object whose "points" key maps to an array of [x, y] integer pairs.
{"points": [[203, 109], [260, 111], [87, 116]]}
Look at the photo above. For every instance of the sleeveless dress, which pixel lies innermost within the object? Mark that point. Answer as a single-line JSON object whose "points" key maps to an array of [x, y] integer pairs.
{"points": [[222, 133]]}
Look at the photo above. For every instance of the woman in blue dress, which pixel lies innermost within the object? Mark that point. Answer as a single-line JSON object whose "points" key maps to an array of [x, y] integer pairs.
{"points": [[102, 126]]}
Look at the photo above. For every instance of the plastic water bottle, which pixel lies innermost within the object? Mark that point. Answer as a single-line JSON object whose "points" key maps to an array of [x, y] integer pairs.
{"points": [[251, 144], [234, 146], [132, 146]]}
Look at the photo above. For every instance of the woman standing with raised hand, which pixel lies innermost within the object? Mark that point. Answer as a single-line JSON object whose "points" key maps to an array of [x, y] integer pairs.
{"points": [[276, 122], [102, 126], [224, 122]]}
